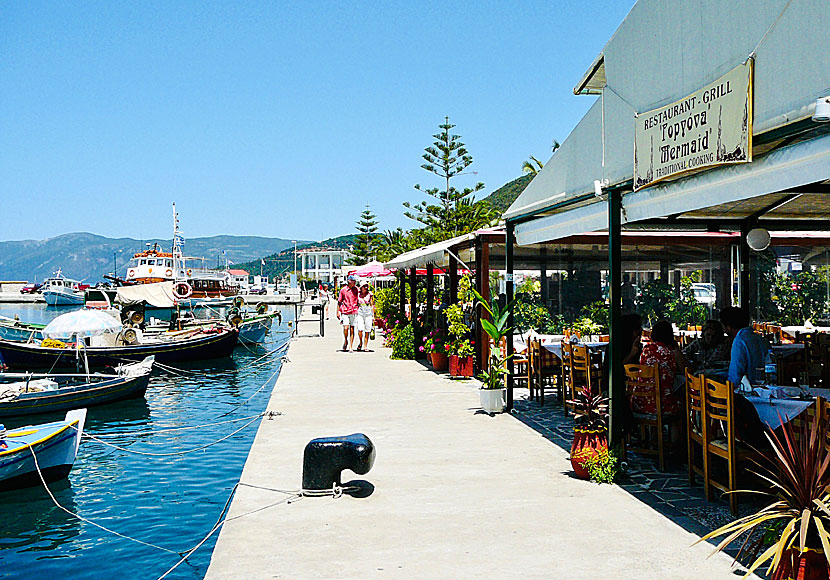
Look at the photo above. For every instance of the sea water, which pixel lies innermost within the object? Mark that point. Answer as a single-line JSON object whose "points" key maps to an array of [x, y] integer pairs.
{"points": [[145, 483]]}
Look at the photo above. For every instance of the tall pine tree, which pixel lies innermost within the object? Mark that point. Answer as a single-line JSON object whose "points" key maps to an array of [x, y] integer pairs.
{"points": [[365, 246], [454, 211]]}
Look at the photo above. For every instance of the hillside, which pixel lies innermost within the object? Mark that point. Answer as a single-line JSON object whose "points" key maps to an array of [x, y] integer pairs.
{"points": [[507, 193], [279, 263], [88, 257]]}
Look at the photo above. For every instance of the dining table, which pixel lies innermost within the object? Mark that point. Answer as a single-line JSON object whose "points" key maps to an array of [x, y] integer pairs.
{"points": [[777, 405]]}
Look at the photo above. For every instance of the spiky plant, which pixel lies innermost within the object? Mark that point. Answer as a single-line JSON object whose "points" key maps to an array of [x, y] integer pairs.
{"points": [[590, 410], [799, 480]]}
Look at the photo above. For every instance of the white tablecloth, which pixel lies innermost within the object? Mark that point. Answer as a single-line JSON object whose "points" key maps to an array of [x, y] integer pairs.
{"points": [[556, 347], [774, 412], [791, 330], [785, 350]]}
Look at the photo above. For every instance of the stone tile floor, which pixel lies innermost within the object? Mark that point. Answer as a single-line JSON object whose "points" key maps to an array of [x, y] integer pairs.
{"points": [[667, 492]]}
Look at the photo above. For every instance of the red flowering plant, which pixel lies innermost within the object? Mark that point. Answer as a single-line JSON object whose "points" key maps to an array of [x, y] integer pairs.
{"points": [[436, 341]]}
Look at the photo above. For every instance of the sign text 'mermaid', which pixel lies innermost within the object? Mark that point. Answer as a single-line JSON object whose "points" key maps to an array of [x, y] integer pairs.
{"points": [[711, 126]]}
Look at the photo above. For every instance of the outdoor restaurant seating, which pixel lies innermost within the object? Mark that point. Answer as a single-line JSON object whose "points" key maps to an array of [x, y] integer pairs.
{"points": [[568, 389], [586, 370], [695, 429], [544, 369], [647, 434]]}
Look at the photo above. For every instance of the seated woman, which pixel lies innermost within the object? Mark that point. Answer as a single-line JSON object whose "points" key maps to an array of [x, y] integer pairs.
{"points": [[664, 351], [712, 348]]}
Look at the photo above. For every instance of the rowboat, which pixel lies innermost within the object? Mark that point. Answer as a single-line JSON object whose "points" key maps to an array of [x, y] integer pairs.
{"points": [[32, 393], [12, 329], [55, 446], [128, 345]]}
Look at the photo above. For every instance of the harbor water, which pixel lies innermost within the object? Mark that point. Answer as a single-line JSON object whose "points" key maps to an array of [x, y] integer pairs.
{"points": [[157, 474]]}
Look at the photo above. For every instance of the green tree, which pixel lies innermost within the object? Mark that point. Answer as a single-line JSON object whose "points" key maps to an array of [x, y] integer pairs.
{"points": [[534, 166], [365, 244], [453, 211]]}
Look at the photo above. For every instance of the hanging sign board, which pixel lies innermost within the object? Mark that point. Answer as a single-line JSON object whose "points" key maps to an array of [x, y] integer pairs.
{"points": [[712, 126]]}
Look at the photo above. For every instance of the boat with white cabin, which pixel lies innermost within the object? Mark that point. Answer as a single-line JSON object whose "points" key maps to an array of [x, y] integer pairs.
{"points": [[62, 291]]}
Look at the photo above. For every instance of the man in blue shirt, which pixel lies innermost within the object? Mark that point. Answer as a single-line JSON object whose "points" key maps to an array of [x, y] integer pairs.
{"points": [[749, 350]]}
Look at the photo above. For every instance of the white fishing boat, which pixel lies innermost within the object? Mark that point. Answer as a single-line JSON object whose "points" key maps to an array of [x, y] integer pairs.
{"points": [[49, 448], [62, 291]]}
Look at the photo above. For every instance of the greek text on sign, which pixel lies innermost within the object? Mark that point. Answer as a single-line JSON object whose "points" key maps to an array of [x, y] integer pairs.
{"points": [[712, 126]]}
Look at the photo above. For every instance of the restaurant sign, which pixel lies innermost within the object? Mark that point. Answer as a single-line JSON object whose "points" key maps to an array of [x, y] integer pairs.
{"points": [[712, 126]]}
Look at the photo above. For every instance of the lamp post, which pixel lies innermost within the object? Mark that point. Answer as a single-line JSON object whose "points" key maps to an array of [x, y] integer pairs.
{"points": [[295, 257], [115, 263]]}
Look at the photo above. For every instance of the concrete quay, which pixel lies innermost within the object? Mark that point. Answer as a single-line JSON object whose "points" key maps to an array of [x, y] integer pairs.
{"points": [[457, 493]]}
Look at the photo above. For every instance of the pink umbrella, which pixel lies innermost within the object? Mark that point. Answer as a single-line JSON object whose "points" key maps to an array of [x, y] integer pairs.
{"points": [[370, 270]]}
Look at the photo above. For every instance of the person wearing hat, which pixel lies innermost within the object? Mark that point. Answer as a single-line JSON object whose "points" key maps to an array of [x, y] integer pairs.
{"points": [[347, 311]]}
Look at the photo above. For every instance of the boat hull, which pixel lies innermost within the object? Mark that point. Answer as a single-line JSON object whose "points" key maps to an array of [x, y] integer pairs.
{"points": [[19, 332], [54, 444], [87, 395], [30, 356], [254, 331], [55, 298]]}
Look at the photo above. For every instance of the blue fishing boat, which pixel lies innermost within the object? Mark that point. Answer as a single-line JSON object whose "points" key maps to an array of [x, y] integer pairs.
{"points": [[55, 446], [33, 393]]}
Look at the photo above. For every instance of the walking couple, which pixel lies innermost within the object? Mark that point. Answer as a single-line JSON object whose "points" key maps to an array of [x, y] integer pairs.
{"points": [[356, 307]]}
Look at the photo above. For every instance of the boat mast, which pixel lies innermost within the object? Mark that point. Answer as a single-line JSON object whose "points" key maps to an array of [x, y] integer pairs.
{"points": [[178, 259]]}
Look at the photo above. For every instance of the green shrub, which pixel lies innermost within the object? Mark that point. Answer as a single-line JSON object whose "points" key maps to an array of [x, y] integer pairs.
{"points": [[403, 346], [386, 302], [604, 466]]}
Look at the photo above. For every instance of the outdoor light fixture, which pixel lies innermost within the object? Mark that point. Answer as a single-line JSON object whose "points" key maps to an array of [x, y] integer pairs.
{"points": [[822, 113], [758, 239], [598, 185]]}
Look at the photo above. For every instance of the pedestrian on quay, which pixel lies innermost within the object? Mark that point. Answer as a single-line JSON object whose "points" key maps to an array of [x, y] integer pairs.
{"points": [[365, 316], [347, 312]]}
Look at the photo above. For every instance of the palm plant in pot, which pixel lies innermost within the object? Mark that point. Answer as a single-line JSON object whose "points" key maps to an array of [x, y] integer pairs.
{"points": [[797, 521], [590, 429], [492, 377]]}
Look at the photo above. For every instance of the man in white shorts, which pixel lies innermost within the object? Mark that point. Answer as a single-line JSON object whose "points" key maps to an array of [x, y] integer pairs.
{"points": [[347, 311]]}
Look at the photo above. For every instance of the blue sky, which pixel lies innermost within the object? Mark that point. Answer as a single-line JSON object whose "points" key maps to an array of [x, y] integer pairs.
{"points": [[273, 118]]}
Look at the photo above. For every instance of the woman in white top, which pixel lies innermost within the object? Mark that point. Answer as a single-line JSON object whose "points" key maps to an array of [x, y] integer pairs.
{"points": [[365, 316]]}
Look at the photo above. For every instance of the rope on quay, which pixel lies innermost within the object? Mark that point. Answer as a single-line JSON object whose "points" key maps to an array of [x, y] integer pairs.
{"points": [[200, 448], [88, 521], [238, 405]]}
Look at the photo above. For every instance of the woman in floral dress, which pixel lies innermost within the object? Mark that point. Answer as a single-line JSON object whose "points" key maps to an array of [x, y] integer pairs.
{"points": [[664, 351]]}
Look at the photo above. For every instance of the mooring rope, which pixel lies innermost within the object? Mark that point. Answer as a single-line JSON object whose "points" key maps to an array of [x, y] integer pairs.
{"points": [[170, 429]]}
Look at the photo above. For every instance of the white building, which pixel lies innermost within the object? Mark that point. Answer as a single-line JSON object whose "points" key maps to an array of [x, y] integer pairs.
{"points": [[323, 264]]}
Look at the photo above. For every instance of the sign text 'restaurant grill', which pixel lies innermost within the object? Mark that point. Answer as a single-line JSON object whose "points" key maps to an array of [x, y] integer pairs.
{"points": [[712, 126]]}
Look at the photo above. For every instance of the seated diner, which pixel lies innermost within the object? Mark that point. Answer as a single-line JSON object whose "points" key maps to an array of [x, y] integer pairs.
{"points": [[749, 350], [665, 352], [711, 349]]}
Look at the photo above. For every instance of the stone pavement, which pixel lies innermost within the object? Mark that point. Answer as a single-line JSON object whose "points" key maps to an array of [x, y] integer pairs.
{"points": [[454, 492]]}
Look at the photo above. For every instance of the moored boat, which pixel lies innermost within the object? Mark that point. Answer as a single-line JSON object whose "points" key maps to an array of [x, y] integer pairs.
{"points": [[62, 291], [32, 393], [127, 345], [55, 445], [13, 329]]}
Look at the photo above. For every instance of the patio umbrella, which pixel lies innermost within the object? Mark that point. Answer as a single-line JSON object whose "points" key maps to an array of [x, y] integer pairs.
{"points": [[370, 270], [81, 323]]}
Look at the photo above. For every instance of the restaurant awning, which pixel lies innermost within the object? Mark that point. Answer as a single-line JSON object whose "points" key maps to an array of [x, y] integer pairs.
{"points": [[437, 253], [795, 177]]}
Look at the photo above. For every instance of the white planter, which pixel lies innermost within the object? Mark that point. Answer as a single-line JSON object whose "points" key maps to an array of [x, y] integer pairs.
{"points": [[492, 400]]}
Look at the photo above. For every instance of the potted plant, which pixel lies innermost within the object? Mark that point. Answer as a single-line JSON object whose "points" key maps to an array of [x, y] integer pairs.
{"points": [[492, 377], [798, 519], [590, 430], [436, 347], [459, 347]]}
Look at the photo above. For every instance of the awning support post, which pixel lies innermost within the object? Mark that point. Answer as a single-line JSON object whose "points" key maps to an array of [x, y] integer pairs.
{"points": [[453, 279], [430, 298], [402, 290], [616, 382], [508, 255]]}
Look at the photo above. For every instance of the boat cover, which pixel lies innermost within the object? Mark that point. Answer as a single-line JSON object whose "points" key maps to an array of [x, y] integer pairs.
{"points": [[159, 294]]}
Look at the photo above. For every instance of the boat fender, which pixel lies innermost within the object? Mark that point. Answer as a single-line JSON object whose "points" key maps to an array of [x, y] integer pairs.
{"points": [[189, 271], [235, 320], [129, 336], [182, 290], [3, 444], [136, 317], [168, 272], [326, 457], [238, 301], [261, 308]]}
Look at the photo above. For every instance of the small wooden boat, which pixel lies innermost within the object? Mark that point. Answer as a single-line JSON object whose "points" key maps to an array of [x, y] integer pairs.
{"points": [[12, 329], [32, 393], [253, 326], [55, 446], [129, 345]]}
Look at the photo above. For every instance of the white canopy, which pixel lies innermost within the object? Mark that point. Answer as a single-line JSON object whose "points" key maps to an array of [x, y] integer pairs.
{"points": [[81, 323], [159, 294]]}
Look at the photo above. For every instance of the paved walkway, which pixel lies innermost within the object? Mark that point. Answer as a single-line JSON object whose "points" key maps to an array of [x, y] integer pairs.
{"points": [[457, 493]]}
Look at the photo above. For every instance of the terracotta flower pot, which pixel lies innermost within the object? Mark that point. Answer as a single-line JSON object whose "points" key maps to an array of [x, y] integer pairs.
{"points": [[811, 565], [440, 362], [461, 366], [587, 443]]}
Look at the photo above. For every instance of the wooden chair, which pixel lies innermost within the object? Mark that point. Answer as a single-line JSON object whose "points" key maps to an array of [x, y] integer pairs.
{"points": [[584, 369], [545, 369], [804, 421], [566, 374], [696, 429], [521, 363], [719, 415], [644, 381]]}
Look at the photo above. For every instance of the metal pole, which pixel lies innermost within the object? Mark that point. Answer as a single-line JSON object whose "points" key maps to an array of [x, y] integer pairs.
{"points": [[744, 293], [508, 255], [430, 295], [295, 257], [616, 382]]}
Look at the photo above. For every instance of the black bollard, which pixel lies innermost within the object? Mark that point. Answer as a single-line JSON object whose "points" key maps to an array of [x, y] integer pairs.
{"points": [[326, 457]]}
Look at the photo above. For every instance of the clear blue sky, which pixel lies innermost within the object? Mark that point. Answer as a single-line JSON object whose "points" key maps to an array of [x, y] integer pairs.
{"points": [[273, 118]]}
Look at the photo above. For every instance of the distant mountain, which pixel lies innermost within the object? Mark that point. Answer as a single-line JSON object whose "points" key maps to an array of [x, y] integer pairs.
{"points": [[88, 257], [504, 196], [279, 263]]}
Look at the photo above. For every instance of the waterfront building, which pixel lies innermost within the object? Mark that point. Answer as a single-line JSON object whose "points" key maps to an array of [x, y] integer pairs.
{"points": [[323, 264]]}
